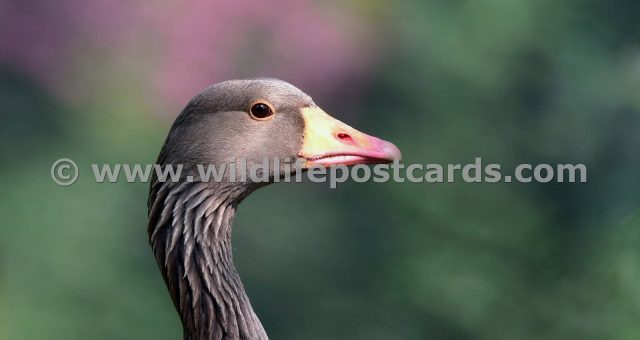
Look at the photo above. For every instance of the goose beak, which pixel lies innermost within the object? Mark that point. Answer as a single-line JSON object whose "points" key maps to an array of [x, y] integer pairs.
{"points": [[328, 141]]}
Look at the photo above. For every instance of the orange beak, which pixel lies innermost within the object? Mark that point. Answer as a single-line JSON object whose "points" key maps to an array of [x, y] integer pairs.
{"points": [[328, 141]]}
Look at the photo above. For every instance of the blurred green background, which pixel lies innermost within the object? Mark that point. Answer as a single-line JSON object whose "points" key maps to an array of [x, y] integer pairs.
{"points": [[519, 81]]}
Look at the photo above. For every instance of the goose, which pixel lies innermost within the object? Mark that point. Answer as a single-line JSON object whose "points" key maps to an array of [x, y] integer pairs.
{"points": [[190, 219]]}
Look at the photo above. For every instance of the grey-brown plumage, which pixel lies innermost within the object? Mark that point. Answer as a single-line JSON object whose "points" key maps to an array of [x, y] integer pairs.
{"points": [[190, 221]]}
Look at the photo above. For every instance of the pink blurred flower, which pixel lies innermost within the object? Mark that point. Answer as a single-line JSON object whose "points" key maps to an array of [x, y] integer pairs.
{"points": [[193, 43], [39, 37]]}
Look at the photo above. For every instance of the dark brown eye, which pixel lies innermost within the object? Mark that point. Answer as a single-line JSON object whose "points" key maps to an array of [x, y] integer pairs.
{"points": [[261, 111]]}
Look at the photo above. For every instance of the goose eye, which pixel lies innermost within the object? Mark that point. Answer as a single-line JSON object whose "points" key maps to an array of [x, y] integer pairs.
{"points": [[261, 111]]}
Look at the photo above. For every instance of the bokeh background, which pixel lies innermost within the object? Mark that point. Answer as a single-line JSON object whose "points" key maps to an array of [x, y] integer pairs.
{"points": [[518, 81]]}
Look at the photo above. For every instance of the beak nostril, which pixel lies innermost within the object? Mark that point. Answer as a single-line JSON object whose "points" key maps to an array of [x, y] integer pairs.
{"points": [[344, 136]]}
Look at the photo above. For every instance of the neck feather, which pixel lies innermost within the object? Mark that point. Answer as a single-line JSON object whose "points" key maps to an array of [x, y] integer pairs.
{"points": [[190, 233]]}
